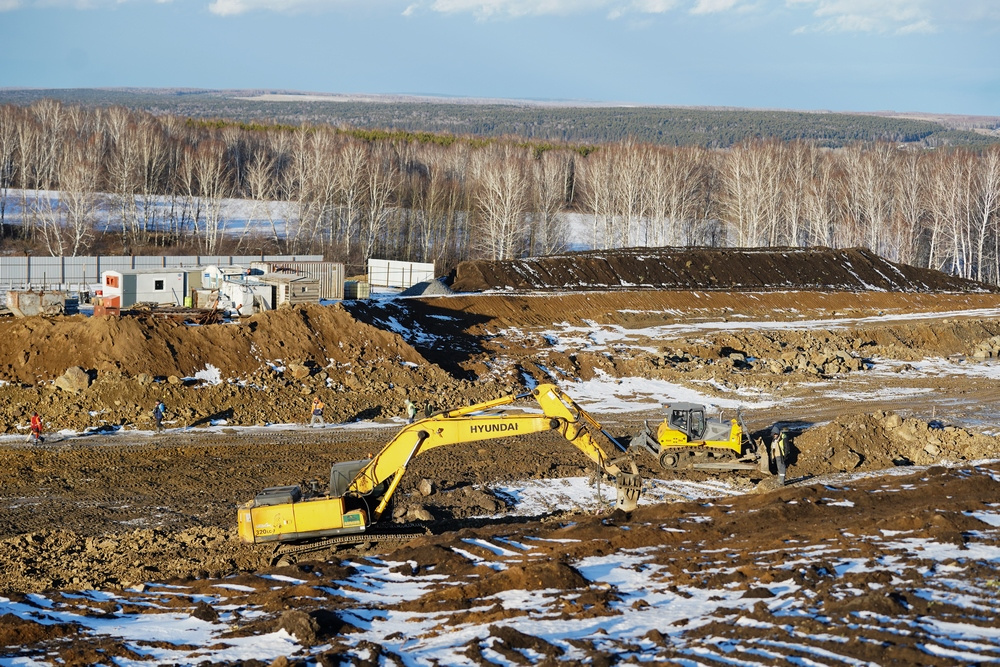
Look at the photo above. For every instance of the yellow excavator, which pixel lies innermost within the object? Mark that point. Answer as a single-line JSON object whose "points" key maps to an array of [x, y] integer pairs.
{"points": [[360, 491], [686, 438]]}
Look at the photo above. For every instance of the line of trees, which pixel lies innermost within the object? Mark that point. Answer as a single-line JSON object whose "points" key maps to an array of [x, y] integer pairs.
{"points": [[127, 181], [600, 124]]}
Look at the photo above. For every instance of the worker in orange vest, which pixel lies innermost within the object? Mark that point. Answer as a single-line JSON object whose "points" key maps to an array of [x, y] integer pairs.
{"points": [[36, 429], [317, 412]]}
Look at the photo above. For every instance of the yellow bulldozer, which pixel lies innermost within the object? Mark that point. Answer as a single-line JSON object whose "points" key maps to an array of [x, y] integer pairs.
{"points": [[359, 492], [687, 438]]}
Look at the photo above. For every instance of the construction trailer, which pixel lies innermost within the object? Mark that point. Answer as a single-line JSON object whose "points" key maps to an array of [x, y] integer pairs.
{"points": [[124, 289], [247, 297], [329, 275], [212, 276]]}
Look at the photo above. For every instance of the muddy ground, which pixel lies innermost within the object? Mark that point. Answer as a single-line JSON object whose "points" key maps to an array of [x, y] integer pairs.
{"points": [[113, 506]]}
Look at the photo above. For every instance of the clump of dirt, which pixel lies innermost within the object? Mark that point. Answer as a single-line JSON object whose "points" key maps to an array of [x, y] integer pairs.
{"points": [[852, 269], [882, 440], [547, 575]]}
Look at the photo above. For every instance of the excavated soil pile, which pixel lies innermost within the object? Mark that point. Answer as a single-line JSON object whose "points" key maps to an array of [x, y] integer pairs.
{"points": [[43, 348], [885, 439], [853, 269], [107, 372], [882, 440]]}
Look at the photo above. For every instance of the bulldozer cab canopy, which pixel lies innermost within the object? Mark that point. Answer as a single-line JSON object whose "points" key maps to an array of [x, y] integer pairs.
{"points": [[688, 418]]}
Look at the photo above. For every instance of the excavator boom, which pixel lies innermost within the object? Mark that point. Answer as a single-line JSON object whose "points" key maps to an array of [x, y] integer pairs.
{"points": [[360, 501]]}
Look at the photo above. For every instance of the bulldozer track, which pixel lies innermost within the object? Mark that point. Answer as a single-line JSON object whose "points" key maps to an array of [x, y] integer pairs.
{"points": [[685, 457]]}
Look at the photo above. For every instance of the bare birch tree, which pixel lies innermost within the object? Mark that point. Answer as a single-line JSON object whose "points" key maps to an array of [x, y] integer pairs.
{"points": [[550, 178], [501, 187], [596, 188], [212, 173], [381, 183]]}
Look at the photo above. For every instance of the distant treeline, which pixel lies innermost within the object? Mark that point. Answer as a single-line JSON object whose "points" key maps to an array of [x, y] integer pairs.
{"points": [[669, 126], [133, 182]]}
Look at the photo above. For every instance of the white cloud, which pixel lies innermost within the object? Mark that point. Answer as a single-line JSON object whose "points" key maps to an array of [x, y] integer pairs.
{"points": [[872, 16], [516, 8], [713, 6], [901, 16], [237, 7], [919, 26]]}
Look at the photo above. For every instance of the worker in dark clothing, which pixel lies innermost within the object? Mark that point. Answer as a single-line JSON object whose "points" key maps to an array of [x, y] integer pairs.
{"points": [[159, 412], [36, 429], [779, 451]]}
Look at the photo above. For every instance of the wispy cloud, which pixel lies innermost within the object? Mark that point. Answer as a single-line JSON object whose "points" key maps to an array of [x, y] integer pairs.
{"points": [[881, 16], [871, 16], [713, 6], [519, 8]]}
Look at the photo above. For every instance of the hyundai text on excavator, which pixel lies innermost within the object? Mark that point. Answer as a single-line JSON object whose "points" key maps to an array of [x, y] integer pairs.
{"points": [[360, 491], [686, 438]]}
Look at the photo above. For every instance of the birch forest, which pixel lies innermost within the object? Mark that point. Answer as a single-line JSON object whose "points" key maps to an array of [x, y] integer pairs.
{"points": [[78, 180]]}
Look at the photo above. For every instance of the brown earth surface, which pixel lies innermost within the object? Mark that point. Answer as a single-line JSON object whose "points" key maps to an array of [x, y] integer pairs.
{"points": [[113, 506]]}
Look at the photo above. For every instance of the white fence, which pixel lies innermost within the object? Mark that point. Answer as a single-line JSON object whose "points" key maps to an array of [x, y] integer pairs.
{"points": [[50, 272], [389, 273]]}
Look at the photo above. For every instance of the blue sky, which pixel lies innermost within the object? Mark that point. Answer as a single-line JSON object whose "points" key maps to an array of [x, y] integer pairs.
{"points": [[938, 56]]}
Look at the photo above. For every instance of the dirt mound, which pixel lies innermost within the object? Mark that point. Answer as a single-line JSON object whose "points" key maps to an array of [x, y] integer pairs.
{"points": [[206, 374], [882, 440], [854, 269], [42, 349]]}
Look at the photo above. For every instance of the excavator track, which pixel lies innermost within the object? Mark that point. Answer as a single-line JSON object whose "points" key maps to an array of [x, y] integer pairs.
{"points": [[285, 554]]}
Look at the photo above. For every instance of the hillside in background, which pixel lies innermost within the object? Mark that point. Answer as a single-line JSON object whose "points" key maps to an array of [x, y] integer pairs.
{"points": [[565, 121]]}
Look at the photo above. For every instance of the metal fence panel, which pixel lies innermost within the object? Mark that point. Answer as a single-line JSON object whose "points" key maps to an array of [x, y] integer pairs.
{"points": [[54, 272], [390, 273]]}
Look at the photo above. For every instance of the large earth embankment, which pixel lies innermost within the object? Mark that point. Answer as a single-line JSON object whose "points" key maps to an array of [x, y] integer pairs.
{"points": [[851, 269]]}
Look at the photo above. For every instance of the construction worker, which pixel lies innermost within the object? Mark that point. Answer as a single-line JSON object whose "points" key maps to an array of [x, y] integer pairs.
{"points": [[317, 412], [411, 410], [159, 412], [36, 429], [779, 450]]}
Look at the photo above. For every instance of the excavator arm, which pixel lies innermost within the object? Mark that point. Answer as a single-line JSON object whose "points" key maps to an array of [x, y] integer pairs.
{"points": [[376, 480], [471, 424]]}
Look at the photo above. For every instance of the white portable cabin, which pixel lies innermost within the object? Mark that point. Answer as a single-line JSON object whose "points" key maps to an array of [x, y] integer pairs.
{"points": [[247, 297], [122, 289], [213, 276]]}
